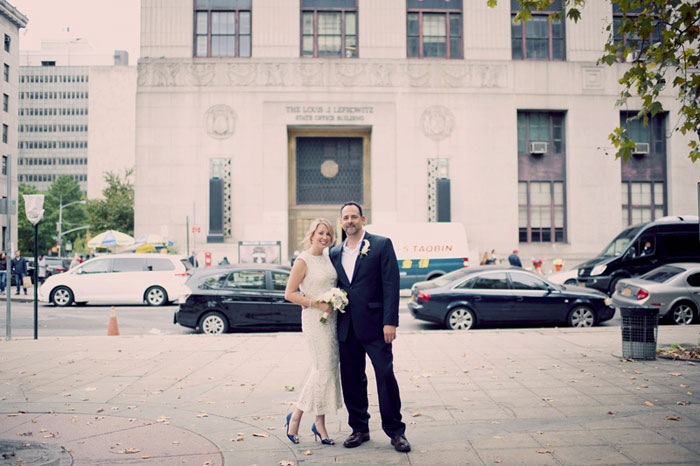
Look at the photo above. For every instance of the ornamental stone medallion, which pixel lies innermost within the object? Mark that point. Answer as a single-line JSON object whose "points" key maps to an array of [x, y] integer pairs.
{"points": [[329, 168], [220, 121], [437, 122]]}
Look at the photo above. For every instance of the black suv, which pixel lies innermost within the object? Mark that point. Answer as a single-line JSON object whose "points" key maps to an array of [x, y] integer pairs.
{"points": [[640, 248]]}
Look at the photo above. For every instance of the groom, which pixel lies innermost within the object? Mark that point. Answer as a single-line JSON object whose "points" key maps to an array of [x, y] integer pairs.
{"points": [[368, 272]]}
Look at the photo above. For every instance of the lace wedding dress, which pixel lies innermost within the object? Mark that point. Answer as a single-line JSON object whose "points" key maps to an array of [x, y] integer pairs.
{"points": [[321, 391]]}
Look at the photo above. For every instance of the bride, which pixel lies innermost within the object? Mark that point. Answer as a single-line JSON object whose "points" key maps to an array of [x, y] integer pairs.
{"points": [[313, 274]]}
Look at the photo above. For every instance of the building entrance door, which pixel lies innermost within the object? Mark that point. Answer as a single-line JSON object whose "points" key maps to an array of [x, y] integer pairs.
{"points": [[326, 169]]}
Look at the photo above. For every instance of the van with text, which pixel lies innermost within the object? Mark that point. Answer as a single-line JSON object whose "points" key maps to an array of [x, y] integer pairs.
{"points": [[425, 250]]}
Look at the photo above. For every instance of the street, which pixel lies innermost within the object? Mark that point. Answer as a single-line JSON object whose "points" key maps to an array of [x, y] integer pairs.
{"points": [[137, 320]]}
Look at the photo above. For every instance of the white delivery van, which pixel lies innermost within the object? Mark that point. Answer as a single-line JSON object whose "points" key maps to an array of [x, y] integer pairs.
{"points": [[425, 250]]}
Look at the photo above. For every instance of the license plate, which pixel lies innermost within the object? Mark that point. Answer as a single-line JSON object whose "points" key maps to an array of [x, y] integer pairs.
{"points": [[627, 292]]}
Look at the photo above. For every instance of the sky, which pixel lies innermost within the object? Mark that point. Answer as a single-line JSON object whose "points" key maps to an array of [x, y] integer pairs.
{"points": [[108, 25]]}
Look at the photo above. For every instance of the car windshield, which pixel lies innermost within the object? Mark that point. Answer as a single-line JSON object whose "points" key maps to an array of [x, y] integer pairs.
{"points": [[620, 243], [448, 278], [662, 274]]}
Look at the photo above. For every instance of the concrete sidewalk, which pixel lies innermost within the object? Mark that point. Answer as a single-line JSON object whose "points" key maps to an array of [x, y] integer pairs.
{"points": [[546, 396]]}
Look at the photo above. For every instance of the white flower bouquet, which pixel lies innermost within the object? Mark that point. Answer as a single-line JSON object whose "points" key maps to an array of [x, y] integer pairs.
{"points": [[336, 298]]}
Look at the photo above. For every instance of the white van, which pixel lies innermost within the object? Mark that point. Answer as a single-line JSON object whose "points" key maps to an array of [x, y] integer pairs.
{"points": [[154, 279], [425, 250]]}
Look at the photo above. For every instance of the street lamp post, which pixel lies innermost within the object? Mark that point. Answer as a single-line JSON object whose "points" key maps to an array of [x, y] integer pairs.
{"points": [[60, 221], [34, 209]]}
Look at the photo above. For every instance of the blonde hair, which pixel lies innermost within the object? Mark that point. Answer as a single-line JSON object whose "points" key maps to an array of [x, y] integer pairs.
{"points": [[306, 242]]}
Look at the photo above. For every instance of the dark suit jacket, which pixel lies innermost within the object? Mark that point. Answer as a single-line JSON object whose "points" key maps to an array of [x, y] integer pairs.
{"points": [[373, 295], [19, 266]]}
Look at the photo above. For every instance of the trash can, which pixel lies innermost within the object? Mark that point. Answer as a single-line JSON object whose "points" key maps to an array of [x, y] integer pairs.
{"points": [[639, 329]]}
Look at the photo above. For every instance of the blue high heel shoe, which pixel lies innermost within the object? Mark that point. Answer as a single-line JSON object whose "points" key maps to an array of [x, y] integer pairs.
{"points": [[325, 441], [292, 438]]}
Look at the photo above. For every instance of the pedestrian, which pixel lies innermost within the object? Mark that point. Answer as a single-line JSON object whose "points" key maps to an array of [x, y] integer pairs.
{"points": [[19, 270], [368, 272], [224, 261], [514, 259], [74, 263], [3, 272], [314, 275], [42, 269]]}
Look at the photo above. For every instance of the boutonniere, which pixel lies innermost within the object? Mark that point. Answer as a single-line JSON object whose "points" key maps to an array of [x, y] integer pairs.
{"points": [[365, 248]]}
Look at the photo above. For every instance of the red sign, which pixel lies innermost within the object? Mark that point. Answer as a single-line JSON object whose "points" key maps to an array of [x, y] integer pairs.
{"points": [[196, 230], [207, 259]]}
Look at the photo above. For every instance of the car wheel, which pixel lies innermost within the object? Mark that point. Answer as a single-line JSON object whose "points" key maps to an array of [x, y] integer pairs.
{"points": [[156, 296], [683, 314], [62, 296], [460, 319], [213, 323], [613, 285], [581, 316], [571, 281]]}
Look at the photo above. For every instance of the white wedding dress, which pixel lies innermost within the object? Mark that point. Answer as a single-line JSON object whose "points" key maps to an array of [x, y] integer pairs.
{"points": [[321, 392]]}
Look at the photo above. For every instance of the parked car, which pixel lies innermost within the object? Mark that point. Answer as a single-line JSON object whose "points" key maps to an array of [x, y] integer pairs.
{"points": [[673, 288], [566, 277], [240, 297], [492, 295], [55, 264], [154, 279], [641, 248]]}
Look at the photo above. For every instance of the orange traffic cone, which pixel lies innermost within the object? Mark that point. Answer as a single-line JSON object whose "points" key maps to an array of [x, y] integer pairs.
{"points": [[113, 328]]}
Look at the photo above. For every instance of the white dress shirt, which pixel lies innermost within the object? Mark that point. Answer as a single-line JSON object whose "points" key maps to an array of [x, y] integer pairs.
{"points": [[349, 257]]}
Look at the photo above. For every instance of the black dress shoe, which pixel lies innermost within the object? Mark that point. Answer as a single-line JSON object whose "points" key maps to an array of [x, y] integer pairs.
{"points": [[356, 439], [401, 444]]}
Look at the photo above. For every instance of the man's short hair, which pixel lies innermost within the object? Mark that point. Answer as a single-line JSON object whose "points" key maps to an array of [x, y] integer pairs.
{"points": [[359, 207]]}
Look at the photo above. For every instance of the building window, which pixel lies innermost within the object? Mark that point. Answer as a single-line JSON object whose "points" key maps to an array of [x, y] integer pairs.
{"points": [[644, 173], [329, 28], [541, 177], [540, 37], [8, 41], [434, 29], [632, 39], [6, 72], [5, 102], [222, 28], [4, 133], [4, 165]]}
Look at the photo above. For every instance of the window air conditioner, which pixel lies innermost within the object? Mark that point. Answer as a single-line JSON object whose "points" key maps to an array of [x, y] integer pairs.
{"points": [[642, 148], [538, 147]]}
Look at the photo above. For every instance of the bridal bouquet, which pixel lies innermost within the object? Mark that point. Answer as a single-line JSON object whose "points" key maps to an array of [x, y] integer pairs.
{"points": [[336, 298]]}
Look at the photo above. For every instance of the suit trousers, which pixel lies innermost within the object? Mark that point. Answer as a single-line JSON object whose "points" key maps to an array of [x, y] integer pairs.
{"points": [[353, 378]]}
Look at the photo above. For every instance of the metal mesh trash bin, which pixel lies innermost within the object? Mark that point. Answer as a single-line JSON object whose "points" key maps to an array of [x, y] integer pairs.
{"points": [[639, 329]]}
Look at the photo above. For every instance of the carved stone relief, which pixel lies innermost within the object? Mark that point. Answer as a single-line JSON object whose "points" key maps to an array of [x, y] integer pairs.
{"points": [[437, 122], [220, 121]]}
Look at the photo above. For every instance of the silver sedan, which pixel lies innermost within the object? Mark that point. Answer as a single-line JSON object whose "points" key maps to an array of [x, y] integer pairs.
{"points": [[673, 288]]}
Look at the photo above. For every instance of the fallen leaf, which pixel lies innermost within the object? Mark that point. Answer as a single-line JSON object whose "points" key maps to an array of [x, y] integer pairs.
{"points": [[673, 418], [543, 451], [416, 414], [260, 434], [289, 388], [547, 399], [676, 374], [127, 451], [611, 413], [203, 415], [91, 389], [308, 453], [498, 436], [683, 403], [286, 463], [649, 403]]}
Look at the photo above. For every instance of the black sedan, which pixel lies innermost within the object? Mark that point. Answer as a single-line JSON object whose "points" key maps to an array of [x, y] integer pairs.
{"points": [[241, 297], [491, 295]]}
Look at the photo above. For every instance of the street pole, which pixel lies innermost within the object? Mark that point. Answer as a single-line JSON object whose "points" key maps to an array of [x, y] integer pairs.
{"points": [[8, 247], [36, 281], [60, 222], [34, 210]]}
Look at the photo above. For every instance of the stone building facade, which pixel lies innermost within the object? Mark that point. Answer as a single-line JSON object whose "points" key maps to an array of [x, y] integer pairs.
{"points": [[255, 116]]}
